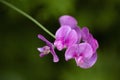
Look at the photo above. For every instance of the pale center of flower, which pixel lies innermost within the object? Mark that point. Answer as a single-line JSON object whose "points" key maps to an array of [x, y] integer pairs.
{"points": [[46, 49], [79, 60]]}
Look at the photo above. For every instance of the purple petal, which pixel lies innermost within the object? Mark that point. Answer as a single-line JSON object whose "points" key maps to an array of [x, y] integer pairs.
{"points": [[71, 38], [68, 20], [71, 52], [55, 57], [40, 49], [42, 54], [85, 62], [78, 30], [85, 50], [85, 33], [62, 32], [93, 42]]}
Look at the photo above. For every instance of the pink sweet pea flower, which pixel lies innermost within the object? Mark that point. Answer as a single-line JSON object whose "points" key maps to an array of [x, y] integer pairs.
{"points": [[83, 55], [65, 37], [68, 34], [47, 49]]}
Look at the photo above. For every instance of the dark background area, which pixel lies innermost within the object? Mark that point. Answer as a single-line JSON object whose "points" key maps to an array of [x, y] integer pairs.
{"points": [[19, 58]]}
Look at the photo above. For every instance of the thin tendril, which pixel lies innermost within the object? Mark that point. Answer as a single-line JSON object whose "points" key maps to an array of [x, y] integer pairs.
{"points": [[28, 16]]}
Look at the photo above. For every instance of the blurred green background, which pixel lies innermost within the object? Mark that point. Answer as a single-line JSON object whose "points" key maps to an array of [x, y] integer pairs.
{"points": [[19, 58]]}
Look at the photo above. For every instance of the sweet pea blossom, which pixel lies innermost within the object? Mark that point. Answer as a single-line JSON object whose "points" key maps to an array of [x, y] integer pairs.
{"points": [[49, 47], [68, 33], [72, 23], [65, 37], [83, 55]]}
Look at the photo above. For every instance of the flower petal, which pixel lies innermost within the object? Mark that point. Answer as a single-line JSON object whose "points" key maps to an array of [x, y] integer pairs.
{"points": [[42, 54], [78, 30], [71, 52], [71, 38], [93, 42], [85, 33], [62, 32], [87, 63], [85, 50], [68, 20]]}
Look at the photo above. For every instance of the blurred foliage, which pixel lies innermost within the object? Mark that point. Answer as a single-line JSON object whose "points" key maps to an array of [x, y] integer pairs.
{"points": [[19, 58]]}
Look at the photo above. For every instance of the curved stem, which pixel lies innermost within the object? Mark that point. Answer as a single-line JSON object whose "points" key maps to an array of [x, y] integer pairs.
{"points": [[28, 16]]}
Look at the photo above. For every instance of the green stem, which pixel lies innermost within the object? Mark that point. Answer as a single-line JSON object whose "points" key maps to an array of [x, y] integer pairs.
{"points": [[28, 16]]}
